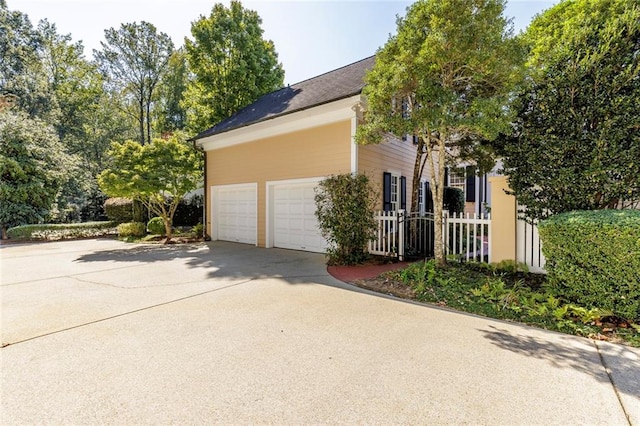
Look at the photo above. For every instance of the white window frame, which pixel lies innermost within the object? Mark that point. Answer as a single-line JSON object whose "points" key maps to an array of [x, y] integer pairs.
{"points": [[395, 196], [459, 180], [422, 197]]}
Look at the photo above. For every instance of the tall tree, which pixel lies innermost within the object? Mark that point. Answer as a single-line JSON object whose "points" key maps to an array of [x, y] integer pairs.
{"points": [[169, 113], [159, 174], [445, 78], [21, 73], [577, 135], [232, 65], [31, 169], [134, 59]]}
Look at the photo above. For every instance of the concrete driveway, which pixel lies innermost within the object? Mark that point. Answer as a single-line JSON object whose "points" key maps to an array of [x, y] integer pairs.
{"points": [[100, 331]]}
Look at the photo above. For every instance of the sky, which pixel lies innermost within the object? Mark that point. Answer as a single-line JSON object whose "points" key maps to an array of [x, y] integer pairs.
{"points": [[310, 36]]}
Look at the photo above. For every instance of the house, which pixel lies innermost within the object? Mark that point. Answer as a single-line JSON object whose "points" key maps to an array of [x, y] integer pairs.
{"points": [[263, 163]]}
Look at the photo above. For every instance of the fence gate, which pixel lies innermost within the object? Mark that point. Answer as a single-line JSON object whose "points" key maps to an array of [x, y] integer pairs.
{"points": [[418, 235]]}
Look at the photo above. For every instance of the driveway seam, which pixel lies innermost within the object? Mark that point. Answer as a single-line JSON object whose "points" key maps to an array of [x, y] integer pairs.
{"points": [[613, 383], [71, 276], [4, 345]]}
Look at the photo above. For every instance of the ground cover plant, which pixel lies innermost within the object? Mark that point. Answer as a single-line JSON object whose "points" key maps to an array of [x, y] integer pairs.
{"points": [[505, 291], [62, 231]]}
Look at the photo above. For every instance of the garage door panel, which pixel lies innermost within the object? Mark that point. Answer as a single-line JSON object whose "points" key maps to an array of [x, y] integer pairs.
{"points": [[235, 213], [295, 224]]}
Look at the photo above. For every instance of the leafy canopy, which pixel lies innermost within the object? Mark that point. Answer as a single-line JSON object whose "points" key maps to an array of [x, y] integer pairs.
{"points": [[134, 58], [31, 169], [158, 174], [446, 77], [577, 135], [232, 65]]}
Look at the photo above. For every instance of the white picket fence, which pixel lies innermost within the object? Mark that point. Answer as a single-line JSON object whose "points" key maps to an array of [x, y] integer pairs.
{"points": [[468, 236], [529, 247], [465, 236], [389, 235]]}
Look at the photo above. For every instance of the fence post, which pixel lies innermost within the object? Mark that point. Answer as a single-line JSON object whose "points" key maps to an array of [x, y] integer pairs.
{"points": [[400, 223]]}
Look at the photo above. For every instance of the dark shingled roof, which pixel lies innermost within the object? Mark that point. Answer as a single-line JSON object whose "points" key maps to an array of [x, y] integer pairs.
{"points": [[332, 86]]}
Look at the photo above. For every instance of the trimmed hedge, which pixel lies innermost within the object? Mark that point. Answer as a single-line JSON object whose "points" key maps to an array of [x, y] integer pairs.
{"points": [[61, 231], [119, 209], [132, 229], [593, 258]]}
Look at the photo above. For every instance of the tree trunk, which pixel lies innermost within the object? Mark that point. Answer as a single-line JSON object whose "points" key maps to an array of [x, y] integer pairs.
{"points": [[438, 183], [149, 121], [167, 230], [141, 118], [417, 174]]}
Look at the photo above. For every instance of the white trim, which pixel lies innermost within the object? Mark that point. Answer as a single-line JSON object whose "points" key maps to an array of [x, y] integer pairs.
{"points": [[214, 199], [332, 112], [422, 197], [354, 146], [269, 204]]}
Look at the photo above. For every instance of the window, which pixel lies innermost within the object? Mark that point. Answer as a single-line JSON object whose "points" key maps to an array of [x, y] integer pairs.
{"points": [[394, 194], [422, 197], [457, 178], [465, 179]]}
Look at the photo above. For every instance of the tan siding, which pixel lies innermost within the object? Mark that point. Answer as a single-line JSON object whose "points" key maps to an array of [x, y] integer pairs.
{"points": [[320, 151], [394, 156]]}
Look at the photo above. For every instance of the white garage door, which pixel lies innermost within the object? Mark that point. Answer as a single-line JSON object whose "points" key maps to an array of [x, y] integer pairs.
{"points": [[235, 213], [294, 221]]}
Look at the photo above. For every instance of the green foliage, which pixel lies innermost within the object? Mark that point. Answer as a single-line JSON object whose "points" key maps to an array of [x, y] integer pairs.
{"points": [[447, 78], [593, 258], [132, 229], [576, 140], [156, 226], [189, 211], [134, 58], [61, 231], [487, 290], [232, 64], [454, 199], [31, 162], [344, 208], [159, 174], [119, 209], [198, 230], [168, 112]]}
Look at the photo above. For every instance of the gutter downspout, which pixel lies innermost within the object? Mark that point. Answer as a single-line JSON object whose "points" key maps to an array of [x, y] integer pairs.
{"points": [[205, 200]]}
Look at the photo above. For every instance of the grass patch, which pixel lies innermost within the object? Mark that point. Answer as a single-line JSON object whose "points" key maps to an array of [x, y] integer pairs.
{"points": [[506, 293]]}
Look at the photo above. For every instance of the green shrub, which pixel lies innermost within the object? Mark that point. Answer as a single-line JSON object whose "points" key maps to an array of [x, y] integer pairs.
{"points": [[453, 199], [119, 209], [198, 230], [132, 229], [189, 211], [156, 226], [60, 231], [345, 216], [593, 259]]}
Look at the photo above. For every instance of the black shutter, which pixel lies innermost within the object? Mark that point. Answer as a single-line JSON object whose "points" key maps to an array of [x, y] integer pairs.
{"points": [[403, 192], [428, 201], [446, 177], [471, 184], [386, 191]]}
